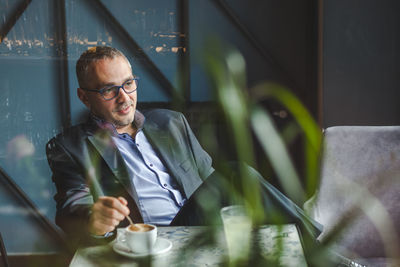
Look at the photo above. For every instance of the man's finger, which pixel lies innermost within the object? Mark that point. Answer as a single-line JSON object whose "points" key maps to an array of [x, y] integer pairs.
{"points": [[108, 221], [123, 201], [109, 213], [114, 203]]}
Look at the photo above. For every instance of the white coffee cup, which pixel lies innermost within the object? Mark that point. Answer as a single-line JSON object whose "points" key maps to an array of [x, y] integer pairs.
{"points": [[139, 238]]}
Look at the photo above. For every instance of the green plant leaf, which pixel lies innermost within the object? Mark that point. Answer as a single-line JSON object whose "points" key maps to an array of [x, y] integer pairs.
{"points": [[312, 132], [276, 151]]}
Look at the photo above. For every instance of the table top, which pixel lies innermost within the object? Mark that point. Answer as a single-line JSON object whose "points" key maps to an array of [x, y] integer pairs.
{"points": [[199, 246]]}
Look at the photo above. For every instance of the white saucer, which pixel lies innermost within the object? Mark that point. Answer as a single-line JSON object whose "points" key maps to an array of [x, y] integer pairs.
{"points": [[161, 246]]}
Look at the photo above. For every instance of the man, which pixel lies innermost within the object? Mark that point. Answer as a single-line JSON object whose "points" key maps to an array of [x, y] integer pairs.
{"points": [[149, 165]]}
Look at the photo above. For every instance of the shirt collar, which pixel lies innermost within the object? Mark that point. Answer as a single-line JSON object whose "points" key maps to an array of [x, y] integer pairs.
{"points": [[138, 121]]}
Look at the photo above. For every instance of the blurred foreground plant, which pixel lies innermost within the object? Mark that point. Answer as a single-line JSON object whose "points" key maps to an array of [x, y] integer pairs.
{"points": [[245, 118], [249, 124]]}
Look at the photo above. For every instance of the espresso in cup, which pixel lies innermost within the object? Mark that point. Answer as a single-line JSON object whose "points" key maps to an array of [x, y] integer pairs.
{"points": [[140, 227], [140, 238]]}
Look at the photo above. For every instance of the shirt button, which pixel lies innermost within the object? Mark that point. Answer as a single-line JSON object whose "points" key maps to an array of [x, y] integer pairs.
{"points": [[151, 165], [137, 144], [165, 185]]}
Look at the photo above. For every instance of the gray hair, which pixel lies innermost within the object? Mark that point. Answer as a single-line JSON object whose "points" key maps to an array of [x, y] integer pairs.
{"points": [[91, 55]]}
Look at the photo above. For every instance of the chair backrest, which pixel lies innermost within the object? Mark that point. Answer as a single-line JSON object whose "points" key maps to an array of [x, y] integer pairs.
{"points": [[361, 175]]}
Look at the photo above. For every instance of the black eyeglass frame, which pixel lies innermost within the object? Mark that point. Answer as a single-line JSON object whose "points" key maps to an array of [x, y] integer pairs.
{"points": [[102, 90]]}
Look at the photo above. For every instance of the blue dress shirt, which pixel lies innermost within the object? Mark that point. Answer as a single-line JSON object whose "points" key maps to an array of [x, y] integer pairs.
{"points": [[158, 193]]}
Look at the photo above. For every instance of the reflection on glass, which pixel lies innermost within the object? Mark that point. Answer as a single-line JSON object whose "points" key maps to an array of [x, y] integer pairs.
{"points": [[33, 36]]}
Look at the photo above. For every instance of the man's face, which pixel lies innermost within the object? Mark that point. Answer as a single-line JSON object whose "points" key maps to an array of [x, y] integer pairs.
{"points": [[108, 72]]}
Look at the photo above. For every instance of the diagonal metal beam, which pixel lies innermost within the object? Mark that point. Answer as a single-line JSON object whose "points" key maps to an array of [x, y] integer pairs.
{"points": [[3, 252], [13, 18], [230, 14], [139, 52], [27, 202]]}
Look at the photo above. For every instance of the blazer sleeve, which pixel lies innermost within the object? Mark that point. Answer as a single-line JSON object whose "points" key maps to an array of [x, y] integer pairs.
{"points": [[73, 196], [203, 161]]}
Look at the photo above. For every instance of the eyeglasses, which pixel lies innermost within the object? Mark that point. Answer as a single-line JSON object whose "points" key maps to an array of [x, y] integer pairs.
{"points": [[112, 92]]}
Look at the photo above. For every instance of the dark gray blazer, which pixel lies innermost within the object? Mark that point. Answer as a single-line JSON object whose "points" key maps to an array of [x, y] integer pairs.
{"points": [[73, 154]]}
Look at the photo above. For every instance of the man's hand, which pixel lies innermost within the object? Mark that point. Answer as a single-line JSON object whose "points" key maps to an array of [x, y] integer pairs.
{"points": [[107, 213]]}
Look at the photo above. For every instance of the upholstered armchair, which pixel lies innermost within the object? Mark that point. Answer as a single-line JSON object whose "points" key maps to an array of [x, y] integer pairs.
{"points": [[359, 193]]}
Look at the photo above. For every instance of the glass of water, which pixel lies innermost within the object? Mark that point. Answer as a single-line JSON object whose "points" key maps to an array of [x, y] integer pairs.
{"points": [[237, 228]]}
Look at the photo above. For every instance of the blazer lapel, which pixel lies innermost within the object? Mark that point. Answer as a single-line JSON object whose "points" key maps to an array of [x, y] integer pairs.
{"points": [[160, 142], [169, 155], [107, 149]]}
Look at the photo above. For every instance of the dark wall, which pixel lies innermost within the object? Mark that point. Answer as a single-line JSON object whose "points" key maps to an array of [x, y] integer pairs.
{"points": [[361, 54], [277, 39], [286, 30]]}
